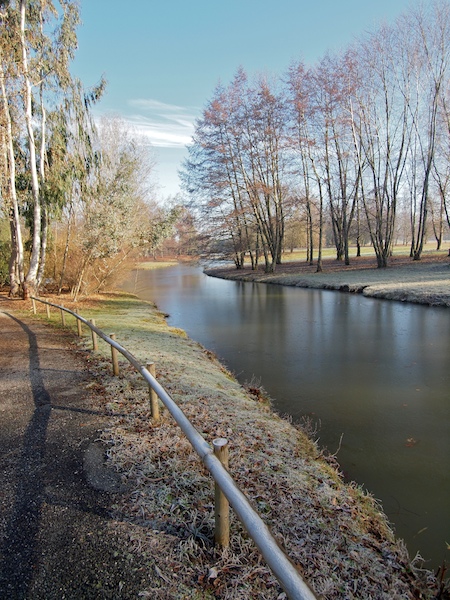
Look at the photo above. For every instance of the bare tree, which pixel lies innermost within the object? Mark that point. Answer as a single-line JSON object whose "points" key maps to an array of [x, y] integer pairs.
{"points": [[266, 167], [381, 135], [302, 140], [335, 83], [214, 174], [235, 168], [356, 134], [429, 33]]}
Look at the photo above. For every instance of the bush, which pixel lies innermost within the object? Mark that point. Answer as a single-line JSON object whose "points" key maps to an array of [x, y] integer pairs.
{"points": [[5, 253]]}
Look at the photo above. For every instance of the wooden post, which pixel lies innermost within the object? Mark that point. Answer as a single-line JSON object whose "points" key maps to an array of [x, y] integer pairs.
{"points": [[94, 337], [114, 356], [154, 406], [47, 306], [63, 317], [78, 327], [221, 508], [33, 301]]}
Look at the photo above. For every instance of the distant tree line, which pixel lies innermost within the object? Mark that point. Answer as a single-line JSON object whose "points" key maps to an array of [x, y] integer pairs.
{"points": [[345, 146], [75, 197]]}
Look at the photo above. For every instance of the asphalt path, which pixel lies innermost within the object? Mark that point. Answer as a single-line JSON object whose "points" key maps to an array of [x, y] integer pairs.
{"points": [[58, 539]]}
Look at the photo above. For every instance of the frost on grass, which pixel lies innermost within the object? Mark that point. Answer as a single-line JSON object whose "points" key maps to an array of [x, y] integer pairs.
{"points": [[423, 282], [335, 534]]}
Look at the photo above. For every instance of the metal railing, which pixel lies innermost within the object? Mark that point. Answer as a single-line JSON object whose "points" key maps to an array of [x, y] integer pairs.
{"points": [[279, 563]]}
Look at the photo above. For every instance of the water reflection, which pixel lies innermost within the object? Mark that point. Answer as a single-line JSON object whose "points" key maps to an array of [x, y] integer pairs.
{"points": [[374, 372]]}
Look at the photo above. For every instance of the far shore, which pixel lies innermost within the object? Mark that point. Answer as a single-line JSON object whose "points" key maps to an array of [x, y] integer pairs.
{"points": [[424, 282]]}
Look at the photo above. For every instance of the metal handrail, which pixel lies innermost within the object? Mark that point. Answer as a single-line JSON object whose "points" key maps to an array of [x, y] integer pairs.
{"points": [[282, 567]]}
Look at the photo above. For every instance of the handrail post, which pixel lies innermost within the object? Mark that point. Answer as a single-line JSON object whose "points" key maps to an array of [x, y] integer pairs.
{"points": [[114, 356], [94, 337], [63, 316], [154, 406], [78, 326], [221, 506], [47, 306], [33, 302]]}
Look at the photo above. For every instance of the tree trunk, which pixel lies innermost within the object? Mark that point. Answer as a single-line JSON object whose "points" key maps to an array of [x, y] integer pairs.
{"points": [[66, 252], [319, 255], [16, 262], [43, 255], [31, 277], [44, 223], [310, 233], [14, 280]]}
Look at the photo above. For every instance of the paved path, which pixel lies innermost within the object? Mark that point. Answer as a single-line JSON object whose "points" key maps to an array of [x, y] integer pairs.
{"points": [[57, 539]]}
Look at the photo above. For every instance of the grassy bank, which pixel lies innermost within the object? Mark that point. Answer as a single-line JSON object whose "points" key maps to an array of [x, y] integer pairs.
{"points": [[336, 535]]}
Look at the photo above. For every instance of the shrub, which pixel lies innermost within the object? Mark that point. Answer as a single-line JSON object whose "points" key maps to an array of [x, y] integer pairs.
{"points": [[5, 253]]}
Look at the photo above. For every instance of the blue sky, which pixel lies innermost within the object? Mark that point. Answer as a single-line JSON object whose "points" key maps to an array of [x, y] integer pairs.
{"points": [[163, 58]]}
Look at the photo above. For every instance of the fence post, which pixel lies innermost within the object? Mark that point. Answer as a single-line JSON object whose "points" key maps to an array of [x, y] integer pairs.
{"points": [[94, 336], [63, 316], [114, 356], [221, 507], [33, 301], [47, 306], [78, 326], [154, 406]]}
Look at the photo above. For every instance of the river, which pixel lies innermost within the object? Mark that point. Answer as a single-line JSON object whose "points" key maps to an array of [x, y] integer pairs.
{"points": [[372, 375]]}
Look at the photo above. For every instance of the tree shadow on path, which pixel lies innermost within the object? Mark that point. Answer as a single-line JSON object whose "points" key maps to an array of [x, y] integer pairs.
{"points": [[18, 548]]}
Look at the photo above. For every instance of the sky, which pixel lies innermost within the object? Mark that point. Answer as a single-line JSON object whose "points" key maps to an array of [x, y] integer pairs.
{"points": [[162, 59]]}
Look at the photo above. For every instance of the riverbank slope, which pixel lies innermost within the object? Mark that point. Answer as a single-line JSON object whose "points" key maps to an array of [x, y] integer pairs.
{"points": [[335, 534], [425, 282]]}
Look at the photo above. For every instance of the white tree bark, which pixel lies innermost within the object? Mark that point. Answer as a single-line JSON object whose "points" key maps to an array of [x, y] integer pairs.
{"points": [[31, 277], [17, 241]]}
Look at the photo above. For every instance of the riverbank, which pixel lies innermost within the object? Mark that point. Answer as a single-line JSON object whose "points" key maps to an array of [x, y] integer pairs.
{"points": [[337, 536], [425, 282]]}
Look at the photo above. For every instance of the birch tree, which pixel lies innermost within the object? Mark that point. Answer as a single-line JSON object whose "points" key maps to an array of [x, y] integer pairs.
{"points": [[31, 278], [37, 44], [10, 98]]}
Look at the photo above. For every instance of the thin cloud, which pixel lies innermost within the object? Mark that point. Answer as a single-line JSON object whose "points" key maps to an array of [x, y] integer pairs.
{"points": [[165, 125], [154, 105]]}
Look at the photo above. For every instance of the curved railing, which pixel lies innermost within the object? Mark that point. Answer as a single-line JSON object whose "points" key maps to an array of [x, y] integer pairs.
{"points": [[283, 569]]}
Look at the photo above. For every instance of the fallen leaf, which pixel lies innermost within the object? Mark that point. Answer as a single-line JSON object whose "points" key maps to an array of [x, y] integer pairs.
{"points": [[411, 442]]}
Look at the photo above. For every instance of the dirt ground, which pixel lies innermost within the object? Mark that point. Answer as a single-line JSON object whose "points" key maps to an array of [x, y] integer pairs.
{"points": [[56, 538]]}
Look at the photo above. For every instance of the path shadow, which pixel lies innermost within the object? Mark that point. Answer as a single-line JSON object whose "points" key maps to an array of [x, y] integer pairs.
{"points": [[19, 545], [87, 411]]}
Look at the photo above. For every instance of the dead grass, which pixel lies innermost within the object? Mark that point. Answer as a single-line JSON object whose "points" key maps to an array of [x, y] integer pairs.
{"points": [[149, 265], [336, 535]]}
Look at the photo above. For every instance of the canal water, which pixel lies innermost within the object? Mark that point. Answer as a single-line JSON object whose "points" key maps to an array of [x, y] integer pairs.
{"points": [[373, 375]]}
